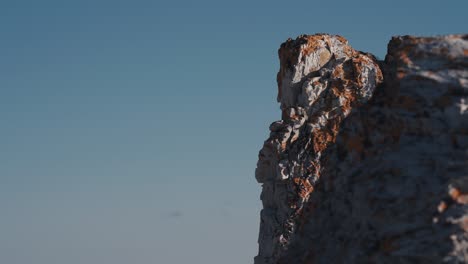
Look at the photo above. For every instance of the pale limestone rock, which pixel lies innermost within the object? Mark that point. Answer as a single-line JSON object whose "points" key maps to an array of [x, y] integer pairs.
{"points": [[361, 170], [321, 79]]}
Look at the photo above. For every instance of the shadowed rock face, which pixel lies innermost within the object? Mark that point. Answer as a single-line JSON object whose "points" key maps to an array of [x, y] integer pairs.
{"points": [[362, 169]]}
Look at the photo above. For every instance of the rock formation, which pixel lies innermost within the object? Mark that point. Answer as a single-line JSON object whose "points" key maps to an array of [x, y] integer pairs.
{"points": [[369, 162]]}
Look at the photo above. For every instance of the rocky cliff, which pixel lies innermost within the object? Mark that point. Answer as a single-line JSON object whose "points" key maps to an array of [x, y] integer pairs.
{"points": [[369, 162]]}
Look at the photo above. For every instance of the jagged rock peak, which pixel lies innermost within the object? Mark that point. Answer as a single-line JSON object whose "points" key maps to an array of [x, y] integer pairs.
{"points": [[307, 58]]}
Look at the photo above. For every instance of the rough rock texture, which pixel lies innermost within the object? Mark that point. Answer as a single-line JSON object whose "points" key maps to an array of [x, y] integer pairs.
{"points": [[362, 168]]}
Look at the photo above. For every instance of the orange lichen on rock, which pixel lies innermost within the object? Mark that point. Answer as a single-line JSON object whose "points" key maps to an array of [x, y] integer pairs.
{"points": [[321, 138], [454, 193], [442, 206], [312, 43], [458, 196], [321, 79], [357, 169], [304, 187]]}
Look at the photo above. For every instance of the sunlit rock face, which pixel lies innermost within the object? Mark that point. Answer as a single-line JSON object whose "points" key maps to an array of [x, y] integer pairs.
{"points": [[362, 168]]}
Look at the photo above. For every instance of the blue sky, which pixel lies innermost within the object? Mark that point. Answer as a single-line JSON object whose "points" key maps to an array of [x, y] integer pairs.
{"points": [[130, 129]]}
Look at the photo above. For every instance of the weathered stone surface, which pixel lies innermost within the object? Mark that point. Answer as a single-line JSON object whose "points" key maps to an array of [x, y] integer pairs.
{"points": [[361, 170]]}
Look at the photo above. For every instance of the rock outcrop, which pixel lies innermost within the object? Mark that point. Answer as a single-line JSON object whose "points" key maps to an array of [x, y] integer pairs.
{"points": [[369, 162]]}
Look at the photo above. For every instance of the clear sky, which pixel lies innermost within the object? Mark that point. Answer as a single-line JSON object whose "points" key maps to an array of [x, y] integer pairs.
{"points": [[129, 130]]}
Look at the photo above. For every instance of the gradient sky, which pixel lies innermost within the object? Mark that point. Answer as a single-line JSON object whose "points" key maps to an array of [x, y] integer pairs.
{"points": [[129, 130]]}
